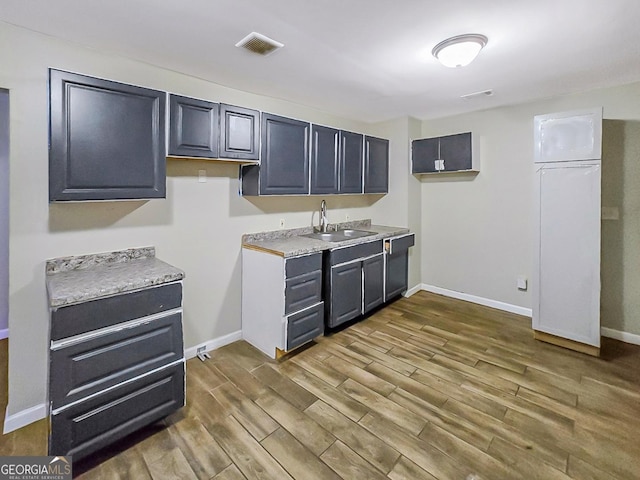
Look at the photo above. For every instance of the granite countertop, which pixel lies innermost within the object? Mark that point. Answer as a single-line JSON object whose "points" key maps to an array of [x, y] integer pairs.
{"points": [[290, 243], [88, 277]]}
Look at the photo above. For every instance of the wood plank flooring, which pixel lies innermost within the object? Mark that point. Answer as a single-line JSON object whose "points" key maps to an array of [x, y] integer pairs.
{"points": [[427, 388]]}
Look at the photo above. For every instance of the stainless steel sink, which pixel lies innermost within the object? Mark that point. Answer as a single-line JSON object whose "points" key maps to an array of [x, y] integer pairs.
{"points": [[339, 235]]}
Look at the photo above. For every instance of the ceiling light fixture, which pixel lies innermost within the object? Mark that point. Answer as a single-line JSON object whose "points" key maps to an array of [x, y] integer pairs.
{"points": [[460, 50]]}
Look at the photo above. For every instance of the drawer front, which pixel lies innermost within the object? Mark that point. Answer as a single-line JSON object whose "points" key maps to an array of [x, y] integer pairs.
{"points": [[302, 291], [400, 244], [305, 326], [88, 367], [347, 254], [299, 265], [91, 425], [87, 316]]}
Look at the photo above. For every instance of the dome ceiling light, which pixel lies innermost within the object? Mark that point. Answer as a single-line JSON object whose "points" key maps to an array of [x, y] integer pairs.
{"points": [[460, 50]]}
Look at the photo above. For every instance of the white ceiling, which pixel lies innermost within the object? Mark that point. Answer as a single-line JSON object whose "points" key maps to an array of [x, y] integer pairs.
{"points": [[363, 59]]}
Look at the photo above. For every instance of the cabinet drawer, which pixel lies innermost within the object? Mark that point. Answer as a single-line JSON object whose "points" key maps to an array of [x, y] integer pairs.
{"points": [[84, 368], [302, 291], [305, 326], [87, 316], [400, 244], [299, 265], [362, 250], [88, 426]]}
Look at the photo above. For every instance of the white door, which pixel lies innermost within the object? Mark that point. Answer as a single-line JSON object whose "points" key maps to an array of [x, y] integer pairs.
{"points": [[4, 213], [567, 267]]}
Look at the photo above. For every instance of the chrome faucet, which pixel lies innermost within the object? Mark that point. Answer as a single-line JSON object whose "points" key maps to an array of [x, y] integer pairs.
{"points": [[323, 216]]}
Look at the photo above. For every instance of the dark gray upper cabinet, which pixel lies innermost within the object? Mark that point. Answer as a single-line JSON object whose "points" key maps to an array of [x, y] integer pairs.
{"points": [[107, 139], [239, 133], [351, 145], [376, 165], [424, 155], [325, 159], [451, 153], [284, 159], [193, 127]]}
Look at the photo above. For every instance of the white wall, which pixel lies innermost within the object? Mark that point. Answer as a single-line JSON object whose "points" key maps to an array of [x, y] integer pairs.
{"points": [[197, 228], [477, 232], [4, 213]]}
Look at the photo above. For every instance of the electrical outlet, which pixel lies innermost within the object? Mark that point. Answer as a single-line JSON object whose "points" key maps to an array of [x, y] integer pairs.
{"points": [[202, 176], [347, 217], [282, 223], [521, 283]]}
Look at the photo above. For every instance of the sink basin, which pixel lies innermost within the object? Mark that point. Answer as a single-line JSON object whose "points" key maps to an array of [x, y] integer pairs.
{"points": [[339, 236], [349, 233]]}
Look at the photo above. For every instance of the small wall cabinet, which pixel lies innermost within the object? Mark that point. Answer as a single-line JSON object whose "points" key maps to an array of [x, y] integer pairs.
{"points": [[107, 139], [284, 159], [282, 305], [203, 129], [193, 127], [376, 165], [448, 154]]}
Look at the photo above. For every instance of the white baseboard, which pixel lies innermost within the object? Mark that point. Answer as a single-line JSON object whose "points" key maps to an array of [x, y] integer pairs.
{"points": [[4, 333], [413, 290], [24, 417], [213, 344], [487, 302], [618, 335]]}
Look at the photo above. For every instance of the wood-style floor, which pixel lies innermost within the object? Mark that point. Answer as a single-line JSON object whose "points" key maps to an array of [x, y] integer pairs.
{"points": [[427, 388]]}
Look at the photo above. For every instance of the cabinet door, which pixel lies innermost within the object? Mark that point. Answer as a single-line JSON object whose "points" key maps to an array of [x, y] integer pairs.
{"points": [[351, 160], [566, 281], [397, 271], [346, 293], [325, 159], [107, 139], [424, 153], [239, 133], [284, 167], [455, 150], [373, 273], [193, 127], [376, 165]]}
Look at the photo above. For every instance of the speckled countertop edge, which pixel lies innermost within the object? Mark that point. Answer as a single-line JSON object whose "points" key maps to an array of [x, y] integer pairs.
{"points": [[84, 278], [290, 243]]}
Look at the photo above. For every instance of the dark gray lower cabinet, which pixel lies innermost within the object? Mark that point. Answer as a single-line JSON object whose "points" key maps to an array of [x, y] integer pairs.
{"points": [[354, 281], [107, 139], [346, 293], [305, 326], [376, 165], [99, 421], [109, 378], [397, 267], [373, 278]]}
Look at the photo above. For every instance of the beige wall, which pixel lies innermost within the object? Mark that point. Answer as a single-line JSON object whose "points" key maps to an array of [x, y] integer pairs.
{"points": [[197, 228], [477, 232]]}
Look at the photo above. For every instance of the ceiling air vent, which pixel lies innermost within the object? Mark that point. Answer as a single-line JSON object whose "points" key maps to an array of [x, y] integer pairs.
{"points": [[260, 44]]}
